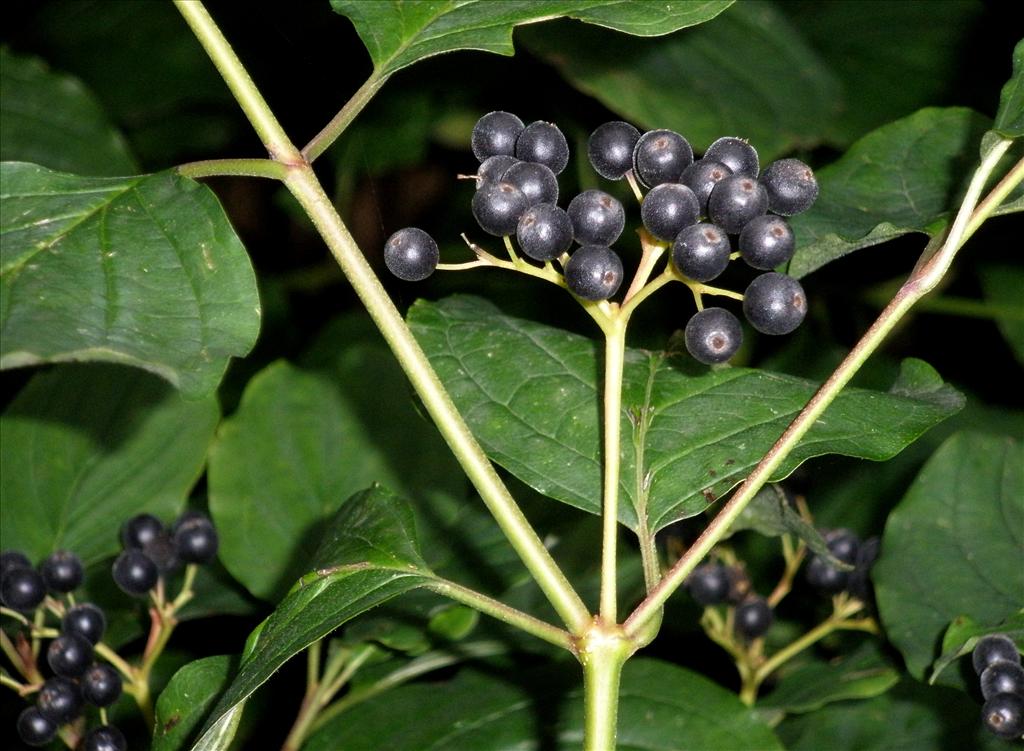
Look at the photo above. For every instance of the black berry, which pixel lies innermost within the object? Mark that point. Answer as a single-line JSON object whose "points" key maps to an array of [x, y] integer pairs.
{"points": [[775, 303], [101, 685], [12, 559], [791, 186], [713, 335], [597, 218], [843, 544], [824, 577], [62, 571], [544, 232], [709, 584], [163, 551], [1003, 715], [753, 617], [660, 156], [195, 539], [701, 177], [594, 272], [736, 154], [134, 572], [69, 655], [86, 620], [543, 142], [537, 181], [701, 252], [140, 530], [410, 254], [34, 728], [60, 700], [498, 206], [22, 589], [492, 168], [667, 209], [735, 200], [992, 649], [610, 149], [1002, 678], [495, 133], [105, 738], [860, 581], [766, 241]]}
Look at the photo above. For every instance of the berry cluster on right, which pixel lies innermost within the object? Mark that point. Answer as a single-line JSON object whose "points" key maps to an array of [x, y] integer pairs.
{"points": [[997, 664]]}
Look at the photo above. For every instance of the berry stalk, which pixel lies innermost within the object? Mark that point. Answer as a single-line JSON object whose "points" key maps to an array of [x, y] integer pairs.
{"points": [[614, 357]]}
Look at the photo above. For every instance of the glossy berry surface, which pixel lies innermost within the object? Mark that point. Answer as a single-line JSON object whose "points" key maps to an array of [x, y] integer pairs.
{"points": [[34, 728], [12, 559], [597, 218], [495, 133], [69, 655], [163, 552], [775, 303], [701, 252], [736, 154], [537, 182], [60, 700], [992, 649], [660, 156], [492, 168], [701, 177], [790, 185], [713, 335], [134, 572], [101, 685], [1003, 715], [843, 544], [62, 571], [544, 232], [594, 272], [22, 589], [86, 620], [498, 206], [195, 539], [766, 241], [610, 149], [709, 584], [1002, 678], [736, 200], [544, 143], [667, 208], [140, 530], [105, 738], [753, 618], [411, 255], [824, 577]]}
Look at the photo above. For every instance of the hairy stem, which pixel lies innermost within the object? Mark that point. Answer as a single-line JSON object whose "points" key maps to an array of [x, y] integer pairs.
{"points": [[323, 140], [234, 168], [614, 356], [603, 653]]}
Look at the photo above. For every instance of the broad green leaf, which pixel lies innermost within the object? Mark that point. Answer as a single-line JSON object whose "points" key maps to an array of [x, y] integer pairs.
{"points": [[367, 556], [963, 634], [1010, 117], [701, 82], [187, 698], [1004, 292], [953, 546], [662, 708], [902, 178], [52, 119], [695, 433], [144, 270], [84, 447], [771, 514], [398, 34]]}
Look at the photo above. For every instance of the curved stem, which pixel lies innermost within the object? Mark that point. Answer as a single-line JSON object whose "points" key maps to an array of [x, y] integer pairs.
{"points": [[614, 357], [234, 168]]}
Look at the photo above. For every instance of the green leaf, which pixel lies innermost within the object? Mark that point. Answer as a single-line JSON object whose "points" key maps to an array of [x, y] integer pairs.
{"points": [[398, 34], [953, 546], [367, 556], [963, 633], [662, 708], [770, 514], [52, 119], [144, 270], [84, 447], [902, 178], [1010, 117], [700, 431], [1002, 286], [186, 700], [700, 81]]}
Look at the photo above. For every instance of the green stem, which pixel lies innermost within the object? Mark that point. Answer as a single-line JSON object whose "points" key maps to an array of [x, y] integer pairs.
{"points": [[323, 140], [313, 666], [234, 168], [997, 195], [614, 357], [6, 680], [809, 639], [602, 653]]}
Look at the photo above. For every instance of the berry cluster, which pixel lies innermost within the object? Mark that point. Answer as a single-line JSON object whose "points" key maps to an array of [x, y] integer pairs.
{"points": [[706, 212], [844, 546], [997, 663], [152, 550], [717, 584]]}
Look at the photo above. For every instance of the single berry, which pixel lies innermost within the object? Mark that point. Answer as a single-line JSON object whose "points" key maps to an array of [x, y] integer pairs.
{"points": [[195, 539], [69, 655], [543, 142], [537, 181], [740, 586], [736, 200], [34, 728], [498, 206], [610, 149], [105, 738], [992, 649], [824, 577], [774, 303], [62, 571], [495, 133], [139, 530], [544, 232], [701, 177], [843, 544], [860, 578], [667, 209], [101, 685], [60, 700], [163, 551], [1003, 715], [660, 156], [86, 620], [1002, 678], [766, 241], [709, 584], [713, 335], [134, 572], [22, 589], [791, 186], [493, 167], [597, 218], [410, 254], [594, 272], [701, 252], [12, 559], [736, 154], [753, 617]]}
